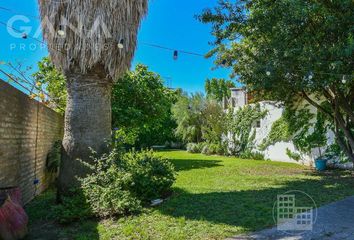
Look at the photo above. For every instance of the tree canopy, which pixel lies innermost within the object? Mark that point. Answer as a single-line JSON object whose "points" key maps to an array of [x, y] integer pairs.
{"points": [[54, 82], [141, 104], [291, 51], [218, 88]]}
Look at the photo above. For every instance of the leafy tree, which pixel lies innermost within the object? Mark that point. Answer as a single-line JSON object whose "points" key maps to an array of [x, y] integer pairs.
{"points": [[214, 127], [290, 50], [142, 104], [187, 113], [199, 119], [218, 88], [54, 82]]}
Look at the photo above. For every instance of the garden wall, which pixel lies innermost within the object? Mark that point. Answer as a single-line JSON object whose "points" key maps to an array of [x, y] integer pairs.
{"points": [[28, 130]]}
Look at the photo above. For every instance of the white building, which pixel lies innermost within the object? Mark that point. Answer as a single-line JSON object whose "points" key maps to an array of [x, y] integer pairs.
{"points": [[278, 151]]}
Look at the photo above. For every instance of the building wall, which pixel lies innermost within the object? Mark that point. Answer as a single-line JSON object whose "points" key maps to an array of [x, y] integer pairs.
{"points": [[28, 130], [277, 151]]}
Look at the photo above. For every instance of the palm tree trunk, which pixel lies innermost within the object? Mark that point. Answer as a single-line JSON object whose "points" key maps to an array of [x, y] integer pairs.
{"points": [[87, 123]]}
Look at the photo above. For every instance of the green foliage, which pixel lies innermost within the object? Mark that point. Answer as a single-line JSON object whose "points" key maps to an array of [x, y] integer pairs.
{"points": [[249, 154], [74, 207], [294, 125], [54, 82], [205, 208], [187, 112], [334, 151], [123, 139], [288, 39], [142, 104], [218, 88], [293, 155], [53, 158], [214, 123], [152, 175], [289, 51], [279, 132], [108, 188], [306, 141], [194, 147], [199, 119], [240, 125], [120, 183], [214, 149]]}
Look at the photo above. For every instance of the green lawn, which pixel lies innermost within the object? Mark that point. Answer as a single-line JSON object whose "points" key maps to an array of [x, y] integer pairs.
{"points": [[214, 197]]}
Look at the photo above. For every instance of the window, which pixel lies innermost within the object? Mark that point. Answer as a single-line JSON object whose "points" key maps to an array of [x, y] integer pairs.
{"points": [[258, 124]]}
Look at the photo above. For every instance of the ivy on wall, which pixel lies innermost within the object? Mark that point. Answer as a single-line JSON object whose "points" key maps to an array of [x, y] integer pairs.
{"points": [[294, 125], [240, 125]]}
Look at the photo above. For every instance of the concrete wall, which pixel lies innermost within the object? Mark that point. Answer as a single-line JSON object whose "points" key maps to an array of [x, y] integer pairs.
{"points": [[277, 151], [28, 130]]}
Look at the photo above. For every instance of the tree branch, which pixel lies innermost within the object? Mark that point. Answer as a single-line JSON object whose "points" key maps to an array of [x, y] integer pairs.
{"points": [[315, 104]]}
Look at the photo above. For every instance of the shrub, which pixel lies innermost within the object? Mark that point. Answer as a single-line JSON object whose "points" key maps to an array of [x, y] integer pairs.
{"points": [[213, 149], [248, 154], [193, 148], [119, 184], [72, 208], [152, 175], [108, 189]]}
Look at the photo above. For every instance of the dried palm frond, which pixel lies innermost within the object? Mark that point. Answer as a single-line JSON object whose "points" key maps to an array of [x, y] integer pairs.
{"points": [[82, 34]]}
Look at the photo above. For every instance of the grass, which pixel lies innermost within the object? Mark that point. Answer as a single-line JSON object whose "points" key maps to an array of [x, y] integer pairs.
{"points": [[214, 197]]}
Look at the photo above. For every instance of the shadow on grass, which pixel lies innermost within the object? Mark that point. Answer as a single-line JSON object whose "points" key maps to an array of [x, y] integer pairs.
{"points": [[249, 209], [42, 223], [253, 209], [189, 164]]}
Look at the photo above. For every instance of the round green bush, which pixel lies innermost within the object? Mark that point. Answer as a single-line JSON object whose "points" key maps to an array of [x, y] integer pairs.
{"points": [[108, 189], [121, 183], [152, 175]]}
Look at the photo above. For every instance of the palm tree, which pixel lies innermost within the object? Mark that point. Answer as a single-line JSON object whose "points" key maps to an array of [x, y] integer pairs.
{"points": [[92, 42]]}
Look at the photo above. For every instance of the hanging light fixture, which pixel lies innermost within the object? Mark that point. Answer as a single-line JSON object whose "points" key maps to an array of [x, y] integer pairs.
{"points": [[61, 31], [268, 73], [121, 44], [310, 76], [175, 54], [344, 80]]}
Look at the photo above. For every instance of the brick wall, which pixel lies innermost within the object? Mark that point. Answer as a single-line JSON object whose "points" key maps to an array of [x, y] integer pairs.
{"points": [[28, 130]]}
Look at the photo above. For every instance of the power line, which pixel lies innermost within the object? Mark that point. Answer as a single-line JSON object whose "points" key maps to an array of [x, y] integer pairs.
{"points": [[172, 49], [24, 78], [18, 13], [144, 43], [35, 39], [176, 51]]}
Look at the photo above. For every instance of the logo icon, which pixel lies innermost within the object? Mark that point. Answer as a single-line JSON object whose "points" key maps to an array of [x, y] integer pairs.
{"points": [[293, 217]]}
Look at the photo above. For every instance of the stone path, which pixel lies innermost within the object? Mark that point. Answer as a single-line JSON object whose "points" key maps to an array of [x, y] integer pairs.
{"points": [[335, 221]]}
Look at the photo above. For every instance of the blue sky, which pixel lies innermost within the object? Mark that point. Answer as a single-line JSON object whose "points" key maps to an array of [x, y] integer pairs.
{"points": [[169, 23]]}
